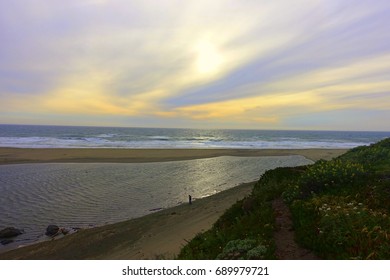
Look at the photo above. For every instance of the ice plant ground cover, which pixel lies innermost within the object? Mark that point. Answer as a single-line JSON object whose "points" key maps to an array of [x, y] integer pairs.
{"points": [[340, 210]]}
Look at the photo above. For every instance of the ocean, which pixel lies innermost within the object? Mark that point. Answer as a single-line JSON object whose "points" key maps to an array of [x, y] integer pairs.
{"points": [[32, 136]]}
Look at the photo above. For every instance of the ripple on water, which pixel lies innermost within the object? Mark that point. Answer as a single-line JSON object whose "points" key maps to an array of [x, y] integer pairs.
{"points": [[79, 194]]}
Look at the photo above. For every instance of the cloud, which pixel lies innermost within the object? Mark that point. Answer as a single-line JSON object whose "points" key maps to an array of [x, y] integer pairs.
{"points": [[111, 56], [222, 62], [358, 85]]}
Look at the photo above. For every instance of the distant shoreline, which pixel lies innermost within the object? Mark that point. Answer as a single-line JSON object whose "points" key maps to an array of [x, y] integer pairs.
{"points": [[120, 155]]}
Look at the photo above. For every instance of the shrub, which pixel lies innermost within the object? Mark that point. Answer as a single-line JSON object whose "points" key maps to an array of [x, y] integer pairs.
{"points": [[326, 175], [342, 228], [291, 193], [273, 182], [242, 249], [372, 156], [257, 253]]}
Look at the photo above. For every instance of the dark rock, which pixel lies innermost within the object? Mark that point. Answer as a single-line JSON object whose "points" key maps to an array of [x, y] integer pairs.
{"points": [[64, 231], [6, 241], [10, 232], [52, 230], [156, 209]]}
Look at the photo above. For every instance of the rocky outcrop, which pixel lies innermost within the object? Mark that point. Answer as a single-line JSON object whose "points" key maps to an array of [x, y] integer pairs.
{"points": [[10, 232]]}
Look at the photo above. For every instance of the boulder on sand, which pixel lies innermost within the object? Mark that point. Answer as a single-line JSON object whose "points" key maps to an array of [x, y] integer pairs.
{"points": [[52, 230], [10, 232]]}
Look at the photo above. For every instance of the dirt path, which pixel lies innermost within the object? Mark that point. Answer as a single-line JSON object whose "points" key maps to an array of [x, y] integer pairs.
{"points": [[286, 247]]}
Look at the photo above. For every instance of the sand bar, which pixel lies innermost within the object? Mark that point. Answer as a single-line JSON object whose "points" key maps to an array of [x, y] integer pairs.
{"points": [[29, 155]]}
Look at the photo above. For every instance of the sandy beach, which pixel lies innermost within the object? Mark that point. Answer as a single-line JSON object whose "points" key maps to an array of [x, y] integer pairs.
{"points": [[155, 236]]}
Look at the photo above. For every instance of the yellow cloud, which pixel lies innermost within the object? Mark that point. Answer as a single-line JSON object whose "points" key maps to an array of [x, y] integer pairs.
{"points": [[348, 74], [90, 94], [321, 90], [238, 108], [97, 102], [273, 107]]}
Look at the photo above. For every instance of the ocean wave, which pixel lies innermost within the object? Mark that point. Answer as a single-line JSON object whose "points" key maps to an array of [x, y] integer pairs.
{"points": [[159, 138], [169, 143], [106, 135], [25, 136]]}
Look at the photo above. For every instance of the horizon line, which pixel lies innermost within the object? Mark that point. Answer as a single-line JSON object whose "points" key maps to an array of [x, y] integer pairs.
{"points": [[192, 128]]}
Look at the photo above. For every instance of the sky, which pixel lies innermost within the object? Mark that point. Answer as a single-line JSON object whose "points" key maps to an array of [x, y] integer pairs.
{"points": [[253, 64]]}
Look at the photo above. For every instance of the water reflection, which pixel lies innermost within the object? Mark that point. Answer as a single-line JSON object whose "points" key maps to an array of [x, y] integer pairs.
{"points": [[79, 194]]}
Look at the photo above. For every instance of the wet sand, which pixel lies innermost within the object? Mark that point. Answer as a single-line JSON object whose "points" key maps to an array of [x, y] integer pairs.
{"points": [[159, 235], [29, 155]]}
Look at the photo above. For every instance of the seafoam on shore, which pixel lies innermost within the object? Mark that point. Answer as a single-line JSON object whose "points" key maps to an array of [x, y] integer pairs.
{"points": [[25, 136]]}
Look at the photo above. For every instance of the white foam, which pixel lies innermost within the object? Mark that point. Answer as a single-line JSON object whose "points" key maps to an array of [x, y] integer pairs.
{"points": [[168, 143]]}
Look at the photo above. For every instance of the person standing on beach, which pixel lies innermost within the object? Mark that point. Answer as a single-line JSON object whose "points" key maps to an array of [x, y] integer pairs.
{"points": [[190, 199]]}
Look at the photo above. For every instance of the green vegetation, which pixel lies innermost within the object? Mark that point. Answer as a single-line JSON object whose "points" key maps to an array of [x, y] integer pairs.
{"points": [[346, 214], [340, 210], [242, 249], [248, 222]]}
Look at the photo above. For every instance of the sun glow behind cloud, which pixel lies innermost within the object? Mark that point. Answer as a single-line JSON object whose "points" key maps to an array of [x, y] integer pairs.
{"points": [[209, 60], [252, 64]]}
